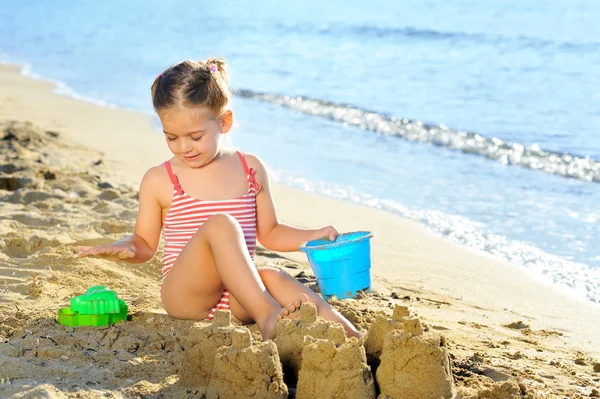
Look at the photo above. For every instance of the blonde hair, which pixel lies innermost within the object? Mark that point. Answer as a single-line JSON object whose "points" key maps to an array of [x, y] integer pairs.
{"points": [[193, 84]]}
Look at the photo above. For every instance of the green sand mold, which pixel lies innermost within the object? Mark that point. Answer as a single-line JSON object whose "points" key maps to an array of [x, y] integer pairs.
{"points": [[99, 306]]}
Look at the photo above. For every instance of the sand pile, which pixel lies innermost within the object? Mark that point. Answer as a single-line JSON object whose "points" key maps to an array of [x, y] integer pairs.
{"points": [[334, 370], [56, 195], [382, 326], [291, 335], [223, 358], [247, 370], [326, 362], [503, 390], [415, 367], [203, 341]]}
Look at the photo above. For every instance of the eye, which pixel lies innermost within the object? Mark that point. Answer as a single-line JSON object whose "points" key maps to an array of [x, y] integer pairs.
{"points": [[171, 138], [197, 138]]}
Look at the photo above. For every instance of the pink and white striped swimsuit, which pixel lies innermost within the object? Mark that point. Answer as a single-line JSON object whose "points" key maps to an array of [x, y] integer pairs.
{"points": [[187, 214]]}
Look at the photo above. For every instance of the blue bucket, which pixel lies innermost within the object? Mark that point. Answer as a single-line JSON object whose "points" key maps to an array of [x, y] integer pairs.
{"points": [[342, 267]]}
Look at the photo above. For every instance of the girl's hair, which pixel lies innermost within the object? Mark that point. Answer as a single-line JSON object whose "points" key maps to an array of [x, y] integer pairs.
{"points": [[191, 84]]}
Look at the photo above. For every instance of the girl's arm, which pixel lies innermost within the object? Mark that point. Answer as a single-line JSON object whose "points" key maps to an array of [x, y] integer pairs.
{"points": [[142, 245], [271, 233]]}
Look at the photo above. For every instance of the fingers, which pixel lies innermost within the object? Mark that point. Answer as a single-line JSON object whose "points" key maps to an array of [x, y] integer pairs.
{"points": [[82, 250], [98, 251], [126, 254], [88, 251], [119, 253], [328, 232], [332, 233]]}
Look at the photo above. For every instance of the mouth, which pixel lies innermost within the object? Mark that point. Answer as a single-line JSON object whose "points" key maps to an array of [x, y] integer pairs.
{"points": [[192, 158]]}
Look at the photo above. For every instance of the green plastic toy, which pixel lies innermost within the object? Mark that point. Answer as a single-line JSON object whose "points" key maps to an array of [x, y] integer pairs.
{"points": [[99, 306]]}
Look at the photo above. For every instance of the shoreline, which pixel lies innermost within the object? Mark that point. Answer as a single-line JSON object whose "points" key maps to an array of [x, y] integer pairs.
{"points": [[470, 296], [141, 168]]}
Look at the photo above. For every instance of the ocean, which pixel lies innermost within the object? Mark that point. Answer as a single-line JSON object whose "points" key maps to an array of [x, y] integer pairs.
{"points": [[477, 119]]}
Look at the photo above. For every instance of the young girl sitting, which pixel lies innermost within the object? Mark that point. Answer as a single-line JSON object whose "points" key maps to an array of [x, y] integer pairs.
{"points": [[212, 204]]}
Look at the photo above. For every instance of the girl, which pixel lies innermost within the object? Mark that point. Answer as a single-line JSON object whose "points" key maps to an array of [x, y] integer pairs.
{"points": [[212, 204]]}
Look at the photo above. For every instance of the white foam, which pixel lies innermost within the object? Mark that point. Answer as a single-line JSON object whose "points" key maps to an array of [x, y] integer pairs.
{"points": [[61, 88], [576, 279], [504, 152]]}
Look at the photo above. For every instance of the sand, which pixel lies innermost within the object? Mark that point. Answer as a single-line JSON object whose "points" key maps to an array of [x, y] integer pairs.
{"points": [[69, 172]]}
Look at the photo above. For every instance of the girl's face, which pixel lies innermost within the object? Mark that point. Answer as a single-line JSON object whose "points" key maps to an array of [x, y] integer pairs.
{"points": [[193, 134]]}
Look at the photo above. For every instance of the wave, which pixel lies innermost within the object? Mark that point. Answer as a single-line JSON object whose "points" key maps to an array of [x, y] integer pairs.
{"points": [[505, 152], [371, 31], [577, 279]]}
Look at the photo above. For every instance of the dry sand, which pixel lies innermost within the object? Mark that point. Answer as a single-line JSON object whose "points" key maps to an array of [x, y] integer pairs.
{"points": [[68, 176]]}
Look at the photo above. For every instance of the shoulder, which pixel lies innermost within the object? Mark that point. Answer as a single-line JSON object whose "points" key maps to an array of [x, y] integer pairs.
{"points": [[156, 183], [155, 175], [255, 162], [262, 175]]}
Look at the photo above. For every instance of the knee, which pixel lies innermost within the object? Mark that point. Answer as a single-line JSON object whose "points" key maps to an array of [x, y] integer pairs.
{"points": [[271, 275], [221, 220]]}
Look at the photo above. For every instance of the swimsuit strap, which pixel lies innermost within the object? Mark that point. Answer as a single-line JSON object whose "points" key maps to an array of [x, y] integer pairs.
{"points": [[250, 173], [173, 178]]}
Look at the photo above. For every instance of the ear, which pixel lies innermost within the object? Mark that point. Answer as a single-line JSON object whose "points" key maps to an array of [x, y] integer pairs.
{"points": [[226, 121]]}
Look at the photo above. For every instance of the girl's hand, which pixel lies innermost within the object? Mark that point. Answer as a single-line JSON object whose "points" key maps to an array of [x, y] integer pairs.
{"points": [[116, 252], [329, 232]]}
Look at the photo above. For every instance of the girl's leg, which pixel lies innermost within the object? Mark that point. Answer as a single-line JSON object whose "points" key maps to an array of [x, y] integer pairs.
{"points": [[216, 256], [286, 290]]}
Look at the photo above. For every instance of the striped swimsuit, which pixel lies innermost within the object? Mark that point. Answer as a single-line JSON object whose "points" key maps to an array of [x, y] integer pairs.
{"points": [[187, 214]]}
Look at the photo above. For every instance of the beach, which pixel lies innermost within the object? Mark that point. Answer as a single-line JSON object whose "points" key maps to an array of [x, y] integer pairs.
{"points": [[69, 176]]}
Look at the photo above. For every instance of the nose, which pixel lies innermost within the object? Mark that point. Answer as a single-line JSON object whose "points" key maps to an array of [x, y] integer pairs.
{"points": [[185, 146]]}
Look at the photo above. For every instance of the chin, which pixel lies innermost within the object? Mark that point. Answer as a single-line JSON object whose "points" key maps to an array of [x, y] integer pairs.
{"points": [[197, 163]]}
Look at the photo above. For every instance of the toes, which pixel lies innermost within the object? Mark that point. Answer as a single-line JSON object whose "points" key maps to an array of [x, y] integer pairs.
{"points": [[292, 307], [291, 310]]}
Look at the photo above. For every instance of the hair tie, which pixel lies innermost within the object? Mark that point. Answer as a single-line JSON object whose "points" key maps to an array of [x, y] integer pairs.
{"points": [[159, 75], [214, 68]]}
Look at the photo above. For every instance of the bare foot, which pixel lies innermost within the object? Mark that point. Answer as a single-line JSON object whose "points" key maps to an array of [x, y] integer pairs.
{"points": [[268, 328], [291, 310]]}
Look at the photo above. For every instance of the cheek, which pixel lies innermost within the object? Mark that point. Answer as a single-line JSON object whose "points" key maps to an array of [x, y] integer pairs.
{"points": [[172, 145], [207, 142]]}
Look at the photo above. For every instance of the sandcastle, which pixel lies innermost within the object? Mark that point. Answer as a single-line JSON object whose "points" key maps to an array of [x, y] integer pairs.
{"points": [[291, 333], [244, 370], [382, 326], [409, 362], [415, 367], [203, 342], [221, 356], [333, 370]]}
